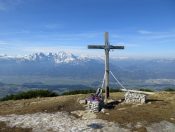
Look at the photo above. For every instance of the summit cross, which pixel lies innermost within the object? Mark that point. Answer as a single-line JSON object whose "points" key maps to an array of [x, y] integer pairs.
{"points": [[107, 48]]}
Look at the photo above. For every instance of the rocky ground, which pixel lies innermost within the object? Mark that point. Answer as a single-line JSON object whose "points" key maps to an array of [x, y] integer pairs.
{"points": [[64, 113]]}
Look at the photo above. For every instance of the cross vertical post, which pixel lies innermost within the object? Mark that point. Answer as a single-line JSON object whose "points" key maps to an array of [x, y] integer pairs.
{"points": [[106, 66], [107, 48]]}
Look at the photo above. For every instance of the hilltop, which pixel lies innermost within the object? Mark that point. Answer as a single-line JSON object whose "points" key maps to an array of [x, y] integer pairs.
{"points": [[57, 112]]}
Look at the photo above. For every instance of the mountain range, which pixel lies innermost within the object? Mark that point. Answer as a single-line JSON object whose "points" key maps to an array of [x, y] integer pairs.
{"points": [[68, 64], [67, 68]]}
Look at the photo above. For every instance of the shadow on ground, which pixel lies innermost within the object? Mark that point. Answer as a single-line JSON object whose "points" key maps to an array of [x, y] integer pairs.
{"points": [[153, 100], [96, 126], [112, 104]]}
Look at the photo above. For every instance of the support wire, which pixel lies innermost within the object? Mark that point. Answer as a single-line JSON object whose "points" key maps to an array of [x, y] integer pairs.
{"points": [[117, 80]]}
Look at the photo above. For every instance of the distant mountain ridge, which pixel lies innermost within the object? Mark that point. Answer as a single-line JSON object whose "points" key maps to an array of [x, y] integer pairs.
{"points": [[60, 57], [64, 64], [67, 57], [51, 64]]}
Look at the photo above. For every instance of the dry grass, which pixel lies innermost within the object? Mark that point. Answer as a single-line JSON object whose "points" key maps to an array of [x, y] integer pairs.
{"points": [[162, 107], [48, 104]]}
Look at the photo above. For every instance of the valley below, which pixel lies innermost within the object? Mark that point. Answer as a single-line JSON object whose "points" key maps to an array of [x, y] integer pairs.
{"points": [[15, 84]]}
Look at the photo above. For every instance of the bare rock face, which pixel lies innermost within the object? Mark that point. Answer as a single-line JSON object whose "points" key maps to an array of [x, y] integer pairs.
{"points": [[132, 97]]}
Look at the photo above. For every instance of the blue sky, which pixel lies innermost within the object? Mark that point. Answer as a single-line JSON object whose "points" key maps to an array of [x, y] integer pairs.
{"points": [[145, 27]]}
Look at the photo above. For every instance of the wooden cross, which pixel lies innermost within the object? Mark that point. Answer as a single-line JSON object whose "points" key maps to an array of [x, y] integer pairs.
{"points": [[107, 48]]}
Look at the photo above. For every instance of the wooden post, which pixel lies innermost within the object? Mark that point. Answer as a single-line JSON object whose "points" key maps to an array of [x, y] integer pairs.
{"points": [[106, 66], [107, 48]]}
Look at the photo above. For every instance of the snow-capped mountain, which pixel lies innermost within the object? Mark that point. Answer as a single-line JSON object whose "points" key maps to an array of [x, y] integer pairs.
{"points": [[64, 64], [51, 64], [57, 58], [60, 57]]}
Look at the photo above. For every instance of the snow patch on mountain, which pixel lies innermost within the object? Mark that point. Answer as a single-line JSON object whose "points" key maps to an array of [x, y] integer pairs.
{"points": [[60, 57], [57, 58]]}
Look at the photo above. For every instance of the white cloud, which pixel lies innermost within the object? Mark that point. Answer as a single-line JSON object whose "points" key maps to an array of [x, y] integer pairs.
{"points": [[115, 36], [71, 37], [53, 26], [144, 32], [54, 49], [128, 45], [15, 32], [151, 35], [81, 35], [3, 43]]}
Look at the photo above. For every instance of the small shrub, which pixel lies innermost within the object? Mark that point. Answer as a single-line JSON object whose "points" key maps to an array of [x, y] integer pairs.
{"points": [[79, 92], [170, 89], [146, 90], [30, 94], [88, 91], [115, 90]]}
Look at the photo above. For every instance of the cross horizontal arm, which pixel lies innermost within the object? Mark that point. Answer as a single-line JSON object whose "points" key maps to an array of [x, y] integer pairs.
{"points": [[116, 47], [96, 46]]}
